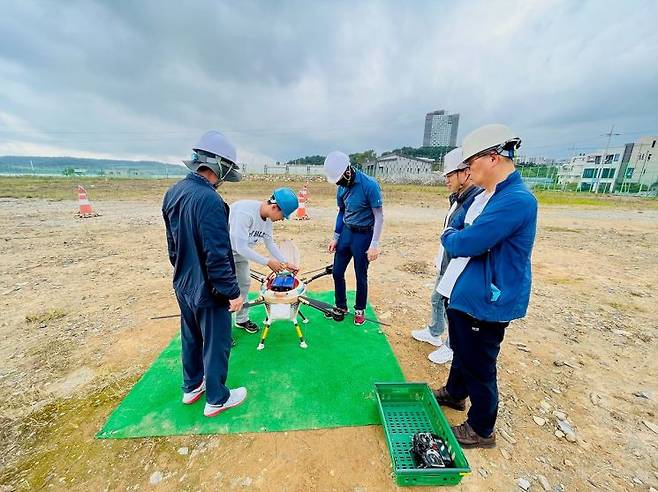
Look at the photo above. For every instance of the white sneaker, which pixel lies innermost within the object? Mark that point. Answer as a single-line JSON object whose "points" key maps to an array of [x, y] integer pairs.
{"points": [[195, 394], [441, 355], [235, 397], [424, 335]]}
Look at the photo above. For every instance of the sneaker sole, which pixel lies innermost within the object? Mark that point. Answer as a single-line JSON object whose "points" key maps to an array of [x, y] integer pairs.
{"points": [[220, 410], [426, 341], [247, 330], [195, 399], [439, 363]]}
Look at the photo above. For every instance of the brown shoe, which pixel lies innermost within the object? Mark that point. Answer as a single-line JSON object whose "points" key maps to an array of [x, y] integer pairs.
{"points": [[444, 399], [468, 438]]}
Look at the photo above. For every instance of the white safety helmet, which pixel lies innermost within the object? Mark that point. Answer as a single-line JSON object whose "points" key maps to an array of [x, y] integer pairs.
{"points": [[495, 137], [216, 143], [335, 165], [453, 161], [216, 153]]}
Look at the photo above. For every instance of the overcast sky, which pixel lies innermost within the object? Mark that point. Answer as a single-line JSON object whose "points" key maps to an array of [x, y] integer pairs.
{"points": [[143, 79]]}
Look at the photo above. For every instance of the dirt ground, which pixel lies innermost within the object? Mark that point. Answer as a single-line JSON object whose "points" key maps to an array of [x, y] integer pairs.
{"points": [[75, 335]]}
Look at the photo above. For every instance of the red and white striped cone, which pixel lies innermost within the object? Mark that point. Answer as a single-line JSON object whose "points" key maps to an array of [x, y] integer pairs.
{"points": [[302, 197], [83, 203]]}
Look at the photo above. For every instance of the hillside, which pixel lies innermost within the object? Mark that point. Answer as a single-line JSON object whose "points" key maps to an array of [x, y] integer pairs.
{"points": [[87, 166]]}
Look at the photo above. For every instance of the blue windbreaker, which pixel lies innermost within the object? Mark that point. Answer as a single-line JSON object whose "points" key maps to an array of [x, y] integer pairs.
{"points": [[499, 243], [196, 219]]}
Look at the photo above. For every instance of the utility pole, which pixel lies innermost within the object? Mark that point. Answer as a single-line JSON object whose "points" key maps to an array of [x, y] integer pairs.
{"points": [[605, 153]]}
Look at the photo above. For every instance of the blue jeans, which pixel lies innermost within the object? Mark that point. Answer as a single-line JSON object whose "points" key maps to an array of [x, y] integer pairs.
{"points": [[437, 324], [350, 245], [475, 345], [206, 345]]}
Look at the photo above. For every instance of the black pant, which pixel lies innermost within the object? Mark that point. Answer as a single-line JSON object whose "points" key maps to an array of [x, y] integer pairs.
{"points": [[352, 244], [475, 344]]}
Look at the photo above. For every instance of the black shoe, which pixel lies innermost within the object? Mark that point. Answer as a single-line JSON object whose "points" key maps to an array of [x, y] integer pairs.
{"points": [[444, 399], [248, 326], [336, 313]]}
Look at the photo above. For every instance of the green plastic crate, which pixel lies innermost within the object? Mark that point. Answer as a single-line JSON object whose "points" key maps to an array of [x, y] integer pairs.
{"points": [[407, 408]]}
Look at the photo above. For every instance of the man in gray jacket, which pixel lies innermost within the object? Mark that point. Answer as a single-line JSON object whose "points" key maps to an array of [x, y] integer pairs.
{"points": [[462, 191]]}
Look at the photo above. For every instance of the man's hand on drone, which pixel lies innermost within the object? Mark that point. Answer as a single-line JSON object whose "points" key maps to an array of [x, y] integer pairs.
{"points": [[291, 267], [373, 254], [275, 265], [235, 304]]}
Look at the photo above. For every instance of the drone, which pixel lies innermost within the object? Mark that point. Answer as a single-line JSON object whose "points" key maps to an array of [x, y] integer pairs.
{"points": [[283, 294]]}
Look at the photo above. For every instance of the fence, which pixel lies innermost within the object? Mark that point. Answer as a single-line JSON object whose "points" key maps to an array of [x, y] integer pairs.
{"points": [[292, 169], [547, 178]]}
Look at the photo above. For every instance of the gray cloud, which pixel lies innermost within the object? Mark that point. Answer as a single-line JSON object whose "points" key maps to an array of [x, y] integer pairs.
{"points": [[144, 79]]}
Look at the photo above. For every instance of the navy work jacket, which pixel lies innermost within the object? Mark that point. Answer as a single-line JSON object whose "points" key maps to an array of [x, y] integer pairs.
{"points": [[196, 219], [495, 285]]}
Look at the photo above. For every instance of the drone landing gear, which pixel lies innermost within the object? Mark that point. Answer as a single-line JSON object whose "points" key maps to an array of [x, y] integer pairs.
{"points": [[266, 331], [302, 343], [304, 318]]}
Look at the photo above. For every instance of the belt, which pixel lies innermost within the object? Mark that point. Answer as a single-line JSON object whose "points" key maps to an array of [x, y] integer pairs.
{"points": [[354, 228]]}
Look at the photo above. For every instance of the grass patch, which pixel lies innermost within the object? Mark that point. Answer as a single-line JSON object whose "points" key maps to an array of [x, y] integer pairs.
{"points": [[417, 267], [592, 200], [60, 440], [322, 193], [45, 317]]}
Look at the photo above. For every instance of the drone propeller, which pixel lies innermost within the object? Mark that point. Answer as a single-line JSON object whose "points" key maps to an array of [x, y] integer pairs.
{"points": [[257, 276], [371, 320], [329, 309]]}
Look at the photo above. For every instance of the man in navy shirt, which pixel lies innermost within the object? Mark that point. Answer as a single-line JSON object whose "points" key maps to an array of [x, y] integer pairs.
{"points": [[488, 278], [196, 219], [358, 229]]}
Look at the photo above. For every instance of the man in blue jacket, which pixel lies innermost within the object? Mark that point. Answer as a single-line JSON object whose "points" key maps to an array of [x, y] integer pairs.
{"points": [[196, 219], [488, 280], [358, 228]]}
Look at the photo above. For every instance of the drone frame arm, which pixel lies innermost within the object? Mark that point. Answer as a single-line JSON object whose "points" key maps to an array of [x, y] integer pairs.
{"points": [[322, 307], [255, 302], [328, 270]]}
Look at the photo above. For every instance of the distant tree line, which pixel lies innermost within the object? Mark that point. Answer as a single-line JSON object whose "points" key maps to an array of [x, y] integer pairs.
{"points": [[359, 158]]}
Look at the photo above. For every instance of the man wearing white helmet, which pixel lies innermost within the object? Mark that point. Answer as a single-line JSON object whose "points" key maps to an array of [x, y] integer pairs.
{"points": [[358, 229], [196, 219], [250, 223], [462, 192], [488, 279]]}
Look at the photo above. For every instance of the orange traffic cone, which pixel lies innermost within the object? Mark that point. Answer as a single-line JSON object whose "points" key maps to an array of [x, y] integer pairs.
{"points": [[302, 197], [83, 202]]}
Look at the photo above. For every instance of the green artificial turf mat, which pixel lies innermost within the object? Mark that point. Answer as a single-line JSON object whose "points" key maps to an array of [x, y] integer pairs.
{"points": [[329, 384]]}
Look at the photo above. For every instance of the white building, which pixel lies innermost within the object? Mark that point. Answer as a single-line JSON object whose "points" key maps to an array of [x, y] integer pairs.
{"points": [[600, 171], [633, 166], [642, 165], [399, 168]]}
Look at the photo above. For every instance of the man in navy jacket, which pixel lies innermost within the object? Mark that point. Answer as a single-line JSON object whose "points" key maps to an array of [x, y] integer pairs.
{"points": [[196, 219], [488, 280]]}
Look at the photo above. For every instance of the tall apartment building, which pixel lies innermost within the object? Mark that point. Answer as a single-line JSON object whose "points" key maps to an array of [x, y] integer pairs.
{"points": [[441, 129]]}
